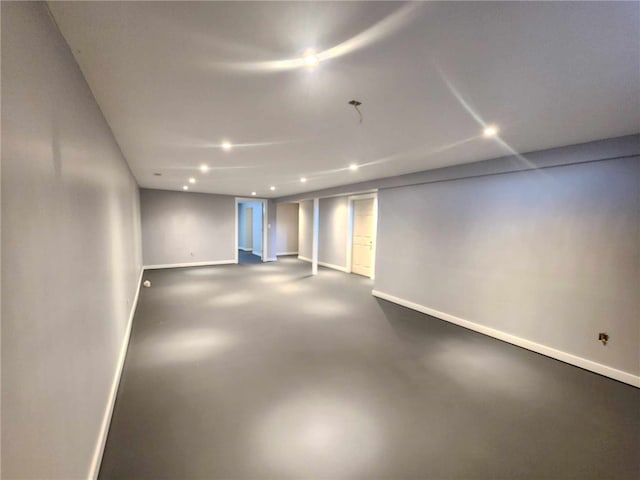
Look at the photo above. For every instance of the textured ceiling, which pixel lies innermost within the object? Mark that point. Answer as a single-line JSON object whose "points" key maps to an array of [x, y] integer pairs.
{"points": [[175, 80]]}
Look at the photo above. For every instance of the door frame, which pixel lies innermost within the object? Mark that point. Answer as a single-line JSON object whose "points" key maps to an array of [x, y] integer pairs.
{"points": [[351, 199], [265, 237]]}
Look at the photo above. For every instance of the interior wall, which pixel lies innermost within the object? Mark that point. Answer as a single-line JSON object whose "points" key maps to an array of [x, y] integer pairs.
{"points": [[71, 253], [272, 231], [551, 256], [287, 225], [305, 229], [333, 230], [183, 228]]}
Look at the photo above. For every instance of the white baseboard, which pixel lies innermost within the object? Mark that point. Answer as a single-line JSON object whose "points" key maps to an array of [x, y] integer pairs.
{"points": [[245, 249], [324, 264], [192, 264], [286, 253], [334, 267], [106, 418], [273, 259], [581, 362], [257, 253]]}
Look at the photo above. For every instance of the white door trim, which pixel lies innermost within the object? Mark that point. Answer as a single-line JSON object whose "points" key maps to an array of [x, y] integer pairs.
{"points": [[351, 199], [265, 236], [314, 239]]}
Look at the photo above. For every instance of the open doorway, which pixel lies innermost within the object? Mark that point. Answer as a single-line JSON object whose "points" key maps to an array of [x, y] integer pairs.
{"points": [[361, 246], [250, 231]]}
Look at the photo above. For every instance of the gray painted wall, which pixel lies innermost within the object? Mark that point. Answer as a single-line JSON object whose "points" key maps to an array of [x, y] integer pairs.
{"points": [[71, 254], [333, 231], [287, 228], [551, 256], [305, 227], [180, 227], [272, 230]]}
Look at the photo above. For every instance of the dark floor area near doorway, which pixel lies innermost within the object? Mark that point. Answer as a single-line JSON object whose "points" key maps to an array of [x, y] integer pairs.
{"points": [[248, 257], [266, 372]]}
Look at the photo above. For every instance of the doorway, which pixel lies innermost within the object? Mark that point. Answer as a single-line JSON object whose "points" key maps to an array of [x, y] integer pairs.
{"points": [[362, 238], [250, 231]]}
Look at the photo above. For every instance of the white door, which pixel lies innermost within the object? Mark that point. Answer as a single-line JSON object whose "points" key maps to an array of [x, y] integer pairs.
{"points": [[248, 230], [363, 232]]}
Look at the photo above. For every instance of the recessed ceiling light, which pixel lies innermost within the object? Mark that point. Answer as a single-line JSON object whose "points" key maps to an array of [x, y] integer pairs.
{"points": [[253, 194], [490, 131], [311, 59], [204, 168], [353, 166], [303, 179], [185, 187], [226, 146], [192, 180], [272, 188]]}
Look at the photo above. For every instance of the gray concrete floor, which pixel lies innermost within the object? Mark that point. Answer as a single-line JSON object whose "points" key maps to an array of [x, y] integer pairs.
{"points": [[265, 372]]}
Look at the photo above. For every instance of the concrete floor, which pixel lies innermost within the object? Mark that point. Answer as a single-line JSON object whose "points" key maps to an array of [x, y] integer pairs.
{"points": [[265, 372]]}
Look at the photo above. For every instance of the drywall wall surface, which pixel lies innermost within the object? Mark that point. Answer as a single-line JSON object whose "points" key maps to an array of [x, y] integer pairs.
{"points": [[71, 254], [287, 228], [305, 229], [272, 231], [333, 231], [180, 227], [551, 256]]}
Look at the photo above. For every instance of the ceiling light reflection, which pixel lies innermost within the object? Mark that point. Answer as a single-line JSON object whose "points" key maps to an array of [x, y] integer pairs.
{"points": [[182, 346], [383, 28], [325, 307], [274, 278], [320, 436], [291, 288], [206, 271], [231, 299], [311, 59]]}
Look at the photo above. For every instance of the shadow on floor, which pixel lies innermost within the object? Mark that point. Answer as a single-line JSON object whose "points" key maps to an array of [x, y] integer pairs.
{"points": [[246, 258]]}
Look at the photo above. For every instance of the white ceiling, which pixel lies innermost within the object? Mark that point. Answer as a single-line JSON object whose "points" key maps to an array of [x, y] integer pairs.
{"points": [[174, 80]]}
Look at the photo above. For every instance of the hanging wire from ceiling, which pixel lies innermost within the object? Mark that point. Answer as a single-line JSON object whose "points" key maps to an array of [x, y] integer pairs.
{"points": [[356, 104]]}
